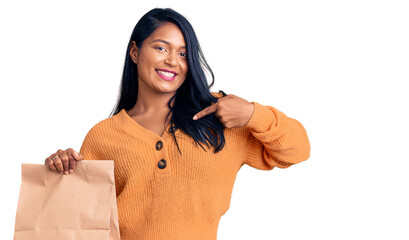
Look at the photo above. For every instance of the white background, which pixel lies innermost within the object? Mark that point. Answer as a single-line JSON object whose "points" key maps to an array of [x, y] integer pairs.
{"points": [[339, 67]]}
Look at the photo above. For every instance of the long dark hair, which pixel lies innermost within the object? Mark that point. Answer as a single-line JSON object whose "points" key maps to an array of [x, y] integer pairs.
{"points": [[191, 97]]}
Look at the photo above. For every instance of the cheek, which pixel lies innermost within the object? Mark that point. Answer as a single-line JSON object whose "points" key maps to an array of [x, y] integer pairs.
{"points": [[184, 67], [145, 67]]}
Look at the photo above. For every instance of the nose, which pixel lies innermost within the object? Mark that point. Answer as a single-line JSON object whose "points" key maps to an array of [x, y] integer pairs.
{"points": [[171, 59]]}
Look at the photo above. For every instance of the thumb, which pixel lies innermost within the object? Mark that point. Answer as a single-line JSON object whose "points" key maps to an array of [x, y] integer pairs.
{"points": [[78, 156]]}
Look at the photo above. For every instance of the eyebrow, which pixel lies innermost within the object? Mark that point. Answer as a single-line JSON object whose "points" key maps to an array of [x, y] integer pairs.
{"points": [[166, 42]]}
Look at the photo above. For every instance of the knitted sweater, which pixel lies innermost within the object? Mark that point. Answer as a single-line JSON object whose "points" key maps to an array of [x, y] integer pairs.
{"points": [[164, 195]]}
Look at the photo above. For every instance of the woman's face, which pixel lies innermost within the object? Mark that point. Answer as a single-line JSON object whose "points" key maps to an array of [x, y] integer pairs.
{"points": [[161, 55]]}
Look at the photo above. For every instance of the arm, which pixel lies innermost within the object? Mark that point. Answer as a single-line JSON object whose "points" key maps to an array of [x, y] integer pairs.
{"points": [[274, 139], [89, 148]]}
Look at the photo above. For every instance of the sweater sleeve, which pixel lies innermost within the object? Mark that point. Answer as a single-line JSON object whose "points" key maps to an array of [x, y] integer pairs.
{"points": [[274, 140], [89, 147]]}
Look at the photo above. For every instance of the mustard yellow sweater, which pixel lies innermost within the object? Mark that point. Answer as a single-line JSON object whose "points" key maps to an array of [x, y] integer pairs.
{"points": [[164, 195]]}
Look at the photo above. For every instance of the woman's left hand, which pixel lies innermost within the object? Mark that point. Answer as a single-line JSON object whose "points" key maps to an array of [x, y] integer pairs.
{"points": [[231, 110]]}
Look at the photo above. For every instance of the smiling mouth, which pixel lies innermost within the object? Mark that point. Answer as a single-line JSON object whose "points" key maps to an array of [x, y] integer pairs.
{"points": [[166, 74]]}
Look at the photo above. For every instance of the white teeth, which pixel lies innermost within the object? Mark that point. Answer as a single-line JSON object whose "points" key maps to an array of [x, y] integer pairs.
{"points": [[167, 74]]}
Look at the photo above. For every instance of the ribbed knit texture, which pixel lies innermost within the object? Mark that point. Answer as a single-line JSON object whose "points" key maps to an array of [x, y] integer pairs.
{"points": [[186, 198]]}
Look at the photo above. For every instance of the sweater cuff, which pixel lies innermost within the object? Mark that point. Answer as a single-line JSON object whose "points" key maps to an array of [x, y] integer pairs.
{"points": [[262, 119]]}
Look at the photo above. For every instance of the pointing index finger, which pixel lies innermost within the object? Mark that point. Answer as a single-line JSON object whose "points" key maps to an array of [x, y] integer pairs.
{"points": [[206, 111]]}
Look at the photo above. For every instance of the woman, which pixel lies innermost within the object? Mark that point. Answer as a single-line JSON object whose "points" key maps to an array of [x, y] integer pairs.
{"points": [[166, 186]]}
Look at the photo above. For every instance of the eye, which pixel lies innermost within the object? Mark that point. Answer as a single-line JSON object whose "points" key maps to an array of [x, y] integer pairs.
{"points": [[160, 48], [183, 54]]}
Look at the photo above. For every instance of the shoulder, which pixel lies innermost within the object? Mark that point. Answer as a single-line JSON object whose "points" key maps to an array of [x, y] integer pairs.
{"points": [[101, 127], [218, 94]]}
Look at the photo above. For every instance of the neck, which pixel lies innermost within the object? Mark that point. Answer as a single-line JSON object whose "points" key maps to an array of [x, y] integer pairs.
{"points": [[150, 102]]}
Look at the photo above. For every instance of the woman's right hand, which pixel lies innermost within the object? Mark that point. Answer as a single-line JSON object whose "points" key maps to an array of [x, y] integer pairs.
{"points": [[64, 161]]}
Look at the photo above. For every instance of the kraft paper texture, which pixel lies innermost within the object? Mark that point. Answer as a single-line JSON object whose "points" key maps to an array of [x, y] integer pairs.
{"points": [[77, 206]]}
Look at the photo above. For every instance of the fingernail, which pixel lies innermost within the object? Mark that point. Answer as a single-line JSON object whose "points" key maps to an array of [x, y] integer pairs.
{"points": [[195, 117], [65, 172], [71, 170], [62, 172], [76, 154]]}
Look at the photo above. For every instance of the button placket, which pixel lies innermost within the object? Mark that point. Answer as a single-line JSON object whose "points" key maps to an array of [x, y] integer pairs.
{"points": [[162, 166]]}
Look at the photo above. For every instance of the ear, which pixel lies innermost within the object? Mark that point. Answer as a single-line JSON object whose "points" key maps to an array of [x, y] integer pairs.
{"points": [[133, 52]]}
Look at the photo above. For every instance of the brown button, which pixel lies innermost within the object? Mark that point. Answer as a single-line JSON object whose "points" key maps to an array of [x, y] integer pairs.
{"points": [[159, 145], [162, 164]]}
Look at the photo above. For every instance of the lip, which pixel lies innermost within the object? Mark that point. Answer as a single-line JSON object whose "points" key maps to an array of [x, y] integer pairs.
{"points": [[164, 77], [166, 70]]}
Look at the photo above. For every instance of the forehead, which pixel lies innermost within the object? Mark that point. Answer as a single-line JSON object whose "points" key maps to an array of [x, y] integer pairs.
{"points": [[170, 33]]}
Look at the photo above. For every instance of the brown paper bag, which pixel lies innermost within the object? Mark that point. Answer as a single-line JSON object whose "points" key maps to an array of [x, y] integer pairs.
{"points": [[77, 206]]}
